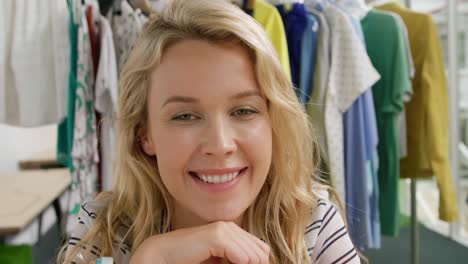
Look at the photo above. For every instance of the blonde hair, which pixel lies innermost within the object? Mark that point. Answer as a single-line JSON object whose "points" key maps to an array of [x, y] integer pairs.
{"points": [[140, 200]]}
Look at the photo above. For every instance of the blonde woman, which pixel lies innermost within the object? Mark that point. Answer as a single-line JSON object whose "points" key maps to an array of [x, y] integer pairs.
{"points": [[215, 161]]}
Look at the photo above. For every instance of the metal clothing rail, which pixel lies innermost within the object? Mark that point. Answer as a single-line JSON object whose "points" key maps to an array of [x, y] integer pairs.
{"points": [[414, 215]]}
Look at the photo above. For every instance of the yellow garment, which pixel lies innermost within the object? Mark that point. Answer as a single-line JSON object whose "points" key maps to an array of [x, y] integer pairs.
{"points": [[268, 16], [427, 112]]}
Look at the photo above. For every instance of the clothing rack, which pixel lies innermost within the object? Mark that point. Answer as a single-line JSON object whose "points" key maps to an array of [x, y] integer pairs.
{"points": [[414, 215], [454, 124]]}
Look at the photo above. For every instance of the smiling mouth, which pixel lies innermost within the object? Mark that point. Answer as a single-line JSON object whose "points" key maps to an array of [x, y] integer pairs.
{"points": [[217, 178]]}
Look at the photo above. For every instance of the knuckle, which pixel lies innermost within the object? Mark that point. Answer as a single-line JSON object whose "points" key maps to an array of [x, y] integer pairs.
{"points": [[267, 249], [255, 260], [244, 259], [219, 230], [219, 227]]}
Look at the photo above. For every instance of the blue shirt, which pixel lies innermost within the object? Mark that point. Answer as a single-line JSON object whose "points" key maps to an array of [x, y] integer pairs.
{"points": [[308, 58], [361, 140], [295, 21]]}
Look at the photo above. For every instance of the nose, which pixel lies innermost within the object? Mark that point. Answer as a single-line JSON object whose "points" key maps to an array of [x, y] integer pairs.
{"points": [[219, 138]]}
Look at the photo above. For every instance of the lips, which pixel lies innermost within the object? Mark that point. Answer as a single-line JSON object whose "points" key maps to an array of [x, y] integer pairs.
{"points": [[216, 176]]}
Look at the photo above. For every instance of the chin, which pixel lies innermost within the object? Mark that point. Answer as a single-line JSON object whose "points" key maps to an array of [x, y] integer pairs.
{"points": [[222, 214]]}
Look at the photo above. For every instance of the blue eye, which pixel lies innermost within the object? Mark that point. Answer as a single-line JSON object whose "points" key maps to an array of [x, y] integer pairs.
{"points": [[245, 112], [184, 117]]}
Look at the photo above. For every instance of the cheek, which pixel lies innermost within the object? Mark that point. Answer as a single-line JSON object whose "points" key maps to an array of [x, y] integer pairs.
{"points": [[258, 146], [173, 151]]}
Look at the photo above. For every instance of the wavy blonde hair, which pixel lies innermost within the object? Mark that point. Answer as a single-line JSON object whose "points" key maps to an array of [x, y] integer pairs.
{"points": [[141, 202]]}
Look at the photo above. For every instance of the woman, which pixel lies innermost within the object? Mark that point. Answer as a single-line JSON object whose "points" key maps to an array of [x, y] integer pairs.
{"points": [[215, 159]]}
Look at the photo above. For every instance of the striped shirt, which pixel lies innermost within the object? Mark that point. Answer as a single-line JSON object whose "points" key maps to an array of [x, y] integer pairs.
{"points": [[326, 237]]}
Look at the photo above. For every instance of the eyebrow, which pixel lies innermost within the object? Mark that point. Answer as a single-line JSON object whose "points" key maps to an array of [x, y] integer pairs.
{"points": [[187, 99]]}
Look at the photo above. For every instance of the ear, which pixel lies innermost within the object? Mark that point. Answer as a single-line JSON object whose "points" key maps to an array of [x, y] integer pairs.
{"points": [[147, 145]]}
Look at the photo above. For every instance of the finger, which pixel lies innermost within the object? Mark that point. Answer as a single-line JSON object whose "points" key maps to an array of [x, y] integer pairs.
{"points": [[263, 246], [245, 245], [224, 244], [262, 249], [249, 243]]}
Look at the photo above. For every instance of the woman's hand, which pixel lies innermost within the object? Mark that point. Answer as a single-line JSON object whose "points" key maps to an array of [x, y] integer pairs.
{"points": [[197, 244]]}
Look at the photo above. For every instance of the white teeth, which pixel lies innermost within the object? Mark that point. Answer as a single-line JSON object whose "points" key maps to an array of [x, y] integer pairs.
{"points": [[204, 178], [218, 178]]}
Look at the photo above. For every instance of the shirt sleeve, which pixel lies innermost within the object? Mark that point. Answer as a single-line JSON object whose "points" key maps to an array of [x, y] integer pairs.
{"points": [[351, 70], [401, 80], [82, 223], [268, 16], [89, 252], [327, 237]]}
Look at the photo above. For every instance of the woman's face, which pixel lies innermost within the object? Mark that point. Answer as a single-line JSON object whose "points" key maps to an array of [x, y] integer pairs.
{"points": [[209, 129]]}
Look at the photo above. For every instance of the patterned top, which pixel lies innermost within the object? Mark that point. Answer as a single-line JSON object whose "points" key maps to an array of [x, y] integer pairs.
{"points": [[351, 74], [85, 142], [126, 28], [326, 236]]}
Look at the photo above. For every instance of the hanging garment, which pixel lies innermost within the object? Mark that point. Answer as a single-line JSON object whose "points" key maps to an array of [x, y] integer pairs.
{"points": [[93, 27], [141, 18], [357, 179], [386, 48], [126, 28], [267, 15], [85, 142], [361, 139], [294, 17], [65, 128], [350, 74], [34, 62], [372, 164], [248, 6], [402, 130], [93, 36], [316, 105], [6, 81], [106, 94], [308, 57], [427, 112]]}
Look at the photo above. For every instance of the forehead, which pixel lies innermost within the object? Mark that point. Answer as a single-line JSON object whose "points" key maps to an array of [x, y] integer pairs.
{"points": [[199, 67]]}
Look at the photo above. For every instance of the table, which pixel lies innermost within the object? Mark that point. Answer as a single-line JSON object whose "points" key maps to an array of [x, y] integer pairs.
{"points": [[42, 160], [24, 195]]}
